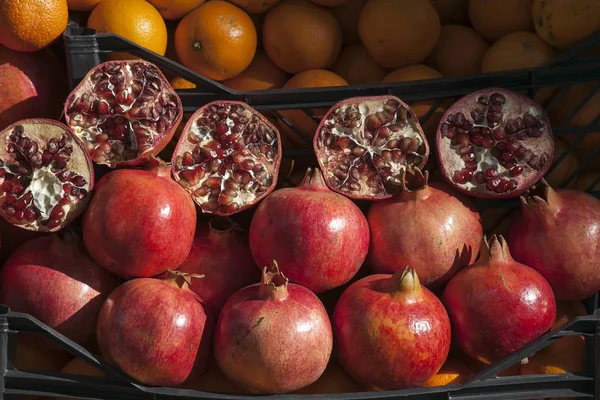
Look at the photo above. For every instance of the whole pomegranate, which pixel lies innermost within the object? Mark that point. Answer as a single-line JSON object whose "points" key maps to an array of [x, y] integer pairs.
{"points": [[558, 234], [55, 281], [497, 305], [494, 143], [155, 330], [391, 332], [222, 254], [140, 223], [273, 337], [320, 238], [433, 230]]}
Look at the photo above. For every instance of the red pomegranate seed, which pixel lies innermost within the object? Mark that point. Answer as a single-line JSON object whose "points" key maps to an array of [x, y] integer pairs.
{"points": [[516, 171], [492, 184], [491, 173], [479, 177]]}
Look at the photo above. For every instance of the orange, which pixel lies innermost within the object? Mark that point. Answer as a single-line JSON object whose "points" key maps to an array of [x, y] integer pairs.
{"points": [[453, 372], [29, 25], [517, 50], [584, 181], [255, 6], [303, 123], [299, 35], [175, 9], [347, 14], [421, 107], [495, 19], [563, 23], [398, 33], [261, 74], [459, 51], [452, 11], [356, 66], [180, 83], [329, 3], [217, 40], [135, 20], [566, 167], [82, 5]]}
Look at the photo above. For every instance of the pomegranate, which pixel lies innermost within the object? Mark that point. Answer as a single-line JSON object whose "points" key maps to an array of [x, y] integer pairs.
{"points": [[273, 337], [124, 111], [71, 303], [494, 143], [391, 332], [222, 254], [155, 330], [558, 234], [364, 143], [140, 223], [45, 175], [497, 305], [228, 157], [320, 237], [424, 217]]}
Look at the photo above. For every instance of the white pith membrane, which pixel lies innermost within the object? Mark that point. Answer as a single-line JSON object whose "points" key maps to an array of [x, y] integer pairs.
{"points": [[39, 187], [121, 109], [226, 157], [528, 130], [365, 145]]}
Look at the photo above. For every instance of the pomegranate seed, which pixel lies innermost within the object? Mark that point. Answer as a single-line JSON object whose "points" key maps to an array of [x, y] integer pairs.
{"points": [[471, 165], [480, 177], [491, 173], [516, 171], [459, 119], [506, 156], [53, 223], [468, 175], [487, 143], [7, 186], [498, 134], [504, 186], [30, 214], [492, 184], [57, 212], [477, 140], [459, 177]]}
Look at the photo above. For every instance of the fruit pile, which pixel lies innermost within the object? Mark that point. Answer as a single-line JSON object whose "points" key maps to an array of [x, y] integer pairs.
{"points": [[173, 247]]}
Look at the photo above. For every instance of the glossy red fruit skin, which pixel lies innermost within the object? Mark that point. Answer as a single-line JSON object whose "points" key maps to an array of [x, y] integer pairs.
{"points": [[391, 332], [273, 337], [57, 283], [140, 223], [433, 229], [221, 253], [320, 238], [557, 233], [155, 331], [497, 305]]}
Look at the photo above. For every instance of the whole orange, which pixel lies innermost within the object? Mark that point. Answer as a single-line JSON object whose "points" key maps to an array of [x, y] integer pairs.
{"points": [[452, 11], [135, 20], [356, 66], [329, 3], [82, 5], [175, 9], [30, 25], [348, 14], [459, 51], [255, 6], [398, 33], [563, 23], [305, 126], [517, 50], [217, 40], [495, 19], [299, 35], [261, 74]]}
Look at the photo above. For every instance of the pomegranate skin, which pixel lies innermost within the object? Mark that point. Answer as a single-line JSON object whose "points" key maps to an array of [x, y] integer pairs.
{"points": [[221, 253], [140, 223], [154, 330], [72, 302], [558, 235], [391, 332], [435, 231], [320, 238], [497, 305], [273, 337]]}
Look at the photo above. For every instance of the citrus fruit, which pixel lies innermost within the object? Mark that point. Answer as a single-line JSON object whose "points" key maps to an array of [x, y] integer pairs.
{"points": [[453, 372], [299, 35], [356, 66], [135, 20], [452, 11], [175, 9], [82, 5], [495, 19], [347, 14], [261, 74], [30, 25], [180, 83], [563, 23], [329, 3], [255, 6], [217, 40], [398, 33], [459, 51], [517, 50]]}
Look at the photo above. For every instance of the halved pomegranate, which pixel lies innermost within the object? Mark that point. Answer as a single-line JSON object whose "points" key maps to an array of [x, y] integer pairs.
{"points": [[228, 157], [124, 111], [45, 175], [494, 143], [364, 143]]}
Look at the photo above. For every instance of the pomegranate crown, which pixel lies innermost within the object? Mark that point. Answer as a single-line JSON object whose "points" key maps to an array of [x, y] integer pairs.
{"points": [[405, 280], [274, 283], [182, 279], [493, 249], [541, 192], [414, 179]]}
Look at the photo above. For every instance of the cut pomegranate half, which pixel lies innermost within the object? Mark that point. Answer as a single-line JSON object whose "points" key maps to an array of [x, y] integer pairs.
{"points": [[494, 143], [363, 145], [124, 111], [45, 175], [228, 157]]}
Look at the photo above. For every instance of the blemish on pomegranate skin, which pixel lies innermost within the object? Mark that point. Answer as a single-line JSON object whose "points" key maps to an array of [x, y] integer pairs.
{"points": [[253, 327]]}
